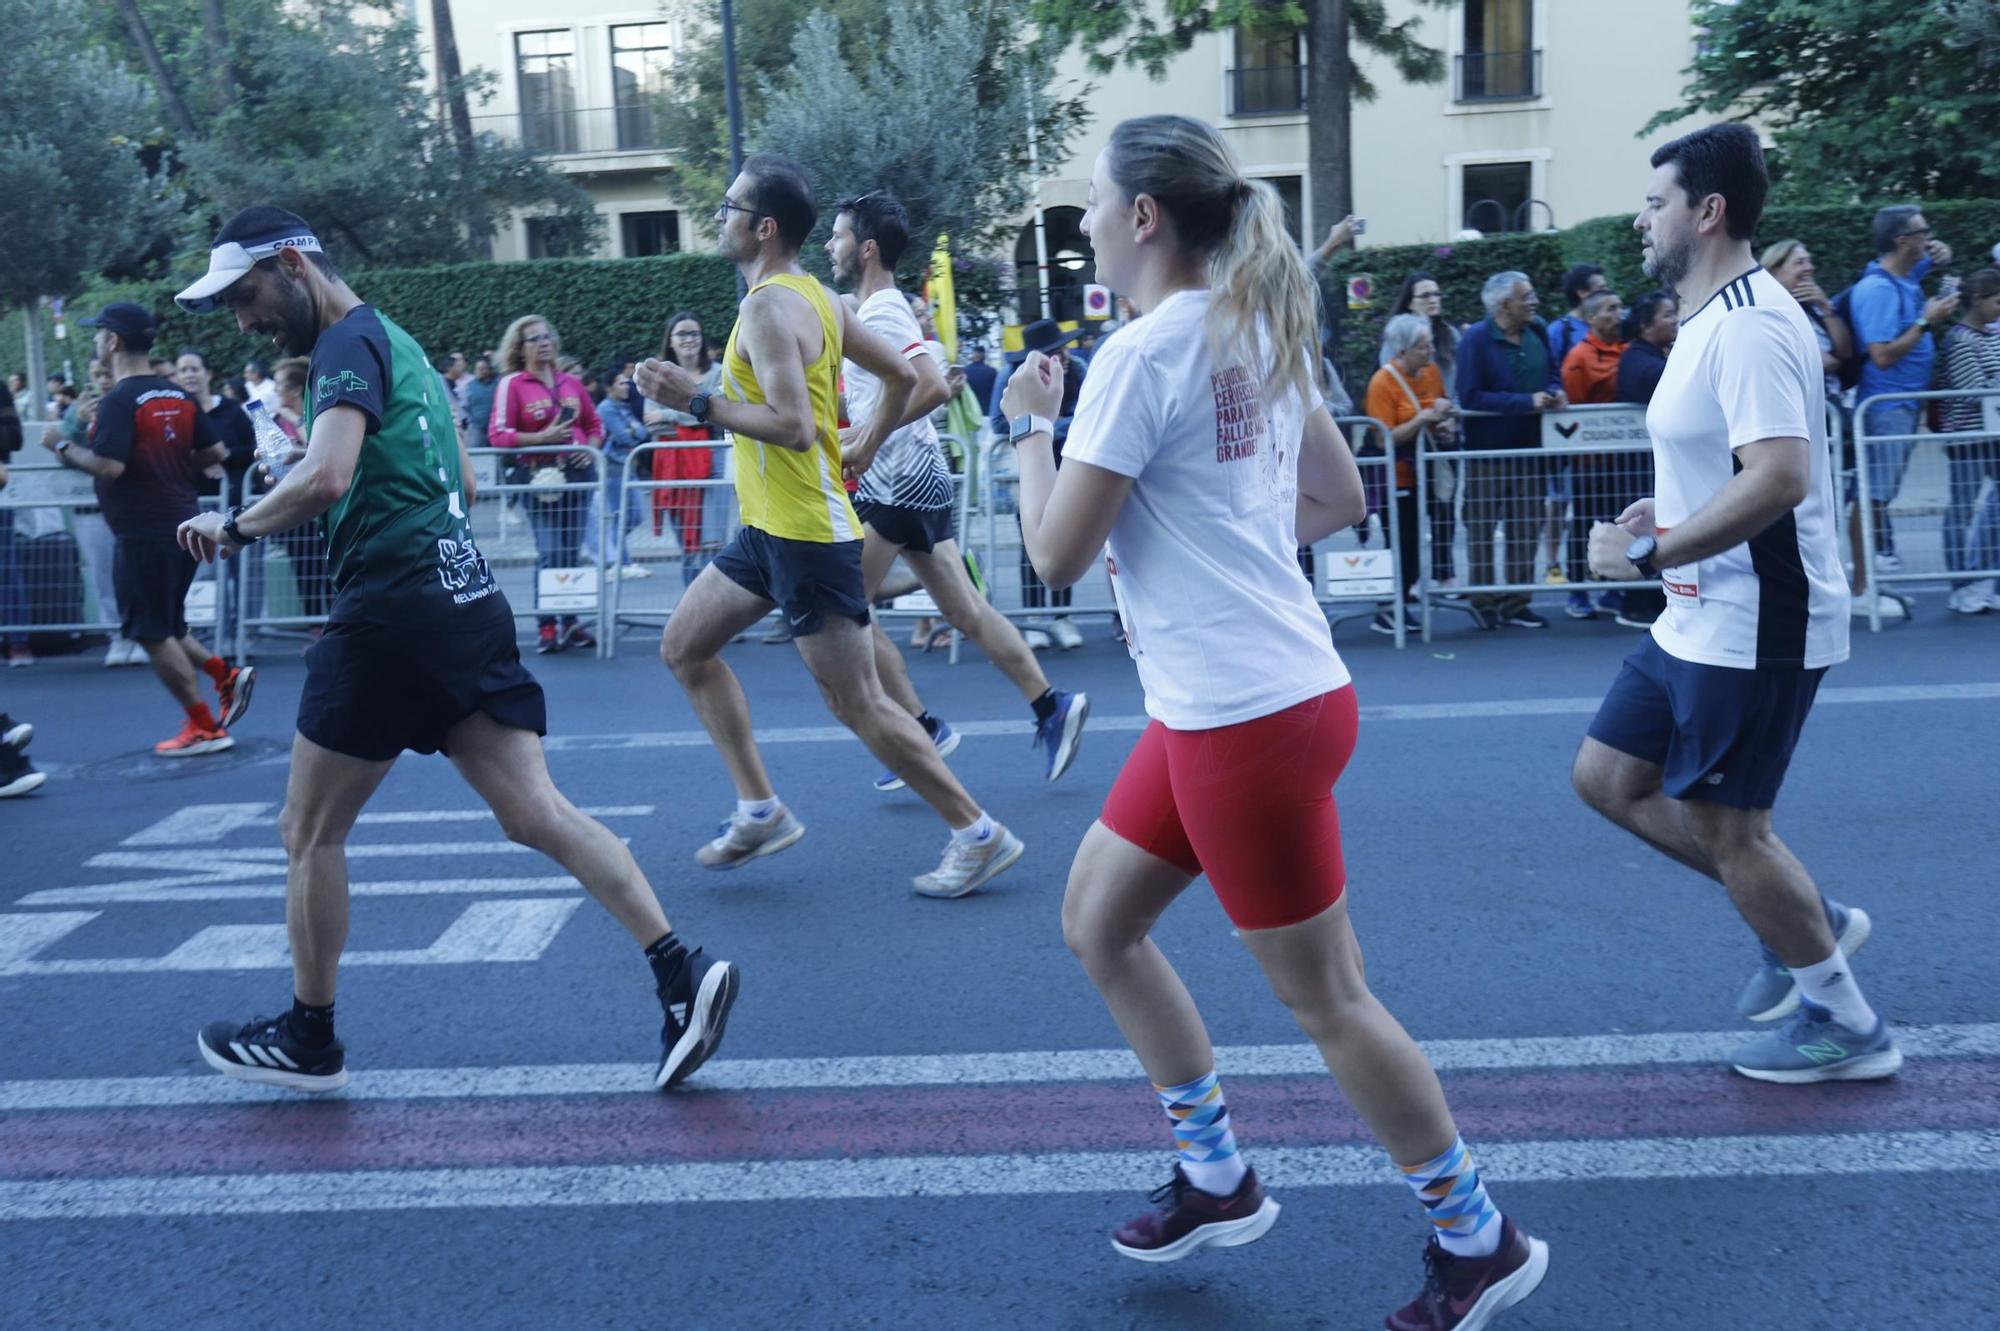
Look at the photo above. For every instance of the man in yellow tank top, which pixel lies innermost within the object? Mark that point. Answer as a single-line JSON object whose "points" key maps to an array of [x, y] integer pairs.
{"points": [[799, 548]]}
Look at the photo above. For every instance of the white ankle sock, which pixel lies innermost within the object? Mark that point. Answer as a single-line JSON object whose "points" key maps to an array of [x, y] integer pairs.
{"points": [[759, 811], [1831, 985], [980, 829]]}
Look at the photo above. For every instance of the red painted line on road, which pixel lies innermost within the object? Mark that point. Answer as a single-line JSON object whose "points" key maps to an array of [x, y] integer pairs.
{"points": [[1600, 1104]]}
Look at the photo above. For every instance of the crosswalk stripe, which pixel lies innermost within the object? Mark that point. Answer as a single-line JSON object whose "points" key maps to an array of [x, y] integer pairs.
{"points": [[1078, 1065], [1735, 1158]]}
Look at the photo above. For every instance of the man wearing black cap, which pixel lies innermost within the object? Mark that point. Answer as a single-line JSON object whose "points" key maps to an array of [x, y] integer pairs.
{"points": [[1047, 337], [148, 443], [419, 652]]}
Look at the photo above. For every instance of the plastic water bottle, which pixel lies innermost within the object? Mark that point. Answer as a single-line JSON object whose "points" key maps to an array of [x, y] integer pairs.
{"points": [[273, 448]]}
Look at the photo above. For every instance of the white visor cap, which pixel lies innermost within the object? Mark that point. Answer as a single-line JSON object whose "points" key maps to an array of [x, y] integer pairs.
{"points": [[230, 260]]}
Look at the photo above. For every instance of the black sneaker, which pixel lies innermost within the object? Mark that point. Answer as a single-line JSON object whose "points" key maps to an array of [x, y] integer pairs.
{"points": [[15, 734], [264, 1049], [697, 1002], [1523, 618], [17, 775]]}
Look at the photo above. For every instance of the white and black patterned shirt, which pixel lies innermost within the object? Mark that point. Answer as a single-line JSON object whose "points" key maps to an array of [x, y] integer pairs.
{"points": [[910, 471]]}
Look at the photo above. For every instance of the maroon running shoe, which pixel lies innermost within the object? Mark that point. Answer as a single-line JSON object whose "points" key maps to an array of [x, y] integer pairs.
{"points": [[1189, 1219], [1467, 1293]]}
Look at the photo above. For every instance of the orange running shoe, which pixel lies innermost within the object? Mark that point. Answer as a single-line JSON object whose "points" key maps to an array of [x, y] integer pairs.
{"points": [[193, 741], [232, 695]]}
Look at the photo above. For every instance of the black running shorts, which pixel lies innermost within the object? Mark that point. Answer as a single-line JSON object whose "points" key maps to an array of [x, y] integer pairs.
{"points": [[151, 575], [918, 529], [373, 691], [807, 580]]}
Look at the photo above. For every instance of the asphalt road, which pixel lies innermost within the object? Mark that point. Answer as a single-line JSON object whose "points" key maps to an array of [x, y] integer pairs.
{"points": [[922, 1116]]}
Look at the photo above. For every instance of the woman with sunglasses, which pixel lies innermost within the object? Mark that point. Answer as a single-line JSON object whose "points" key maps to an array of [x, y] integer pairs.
{"points": [[1200, 455]]}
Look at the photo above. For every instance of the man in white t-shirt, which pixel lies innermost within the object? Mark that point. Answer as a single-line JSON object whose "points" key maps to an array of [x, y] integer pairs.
{"points": [[1693, 740], [906, 500]]}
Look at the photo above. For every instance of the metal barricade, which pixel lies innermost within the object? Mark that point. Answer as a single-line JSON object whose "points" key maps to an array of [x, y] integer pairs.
{"points": [[56, 554], [683, 520], [917, 604], [1011, 583], [1507, 492], [1351, 577], [534, 531], [1936, 495]]}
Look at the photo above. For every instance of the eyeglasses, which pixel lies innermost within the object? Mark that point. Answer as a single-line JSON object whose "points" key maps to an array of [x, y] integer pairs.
{"points": [[1916, 231], [729, 205], [694, 333], [539, 337]]}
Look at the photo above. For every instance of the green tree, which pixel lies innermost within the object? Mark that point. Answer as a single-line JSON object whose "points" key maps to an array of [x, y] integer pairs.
{"points": [[326, 113], [75, 196], [902, 114], [1148, 36], [1864, 99]]}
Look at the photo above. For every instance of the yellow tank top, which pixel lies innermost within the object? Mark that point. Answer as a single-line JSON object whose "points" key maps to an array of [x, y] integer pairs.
{"points": [[798, 496]]}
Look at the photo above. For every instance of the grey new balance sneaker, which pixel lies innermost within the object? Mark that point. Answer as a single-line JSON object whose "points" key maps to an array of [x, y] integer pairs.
{"points": [[1812, 1046], [1771, 994], [744, 839], [967, 867]]}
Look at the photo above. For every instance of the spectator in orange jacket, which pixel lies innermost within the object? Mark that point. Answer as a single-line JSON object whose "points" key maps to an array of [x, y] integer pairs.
{"points": [[1590, 370], [1590, 374]]}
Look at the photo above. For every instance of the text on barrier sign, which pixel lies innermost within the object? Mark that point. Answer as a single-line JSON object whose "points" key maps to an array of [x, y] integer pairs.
{"points": [[1622, 428], [566, 589], [1360, 573]]}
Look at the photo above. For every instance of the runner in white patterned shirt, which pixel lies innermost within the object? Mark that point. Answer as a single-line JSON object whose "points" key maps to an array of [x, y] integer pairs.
{"points": [[1693, 741], [906, 500]]}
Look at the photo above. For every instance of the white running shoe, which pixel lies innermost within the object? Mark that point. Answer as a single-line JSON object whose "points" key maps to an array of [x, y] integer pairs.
{"points": [[1969, 600], [744, 839], [1066, 635], [1037, 640], [966, 867]]}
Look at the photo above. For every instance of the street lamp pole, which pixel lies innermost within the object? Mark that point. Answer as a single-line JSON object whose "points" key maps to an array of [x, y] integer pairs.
{"points": [[729, 94]]}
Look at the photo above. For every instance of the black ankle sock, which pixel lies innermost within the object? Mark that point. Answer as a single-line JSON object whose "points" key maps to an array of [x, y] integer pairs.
{"points": [[929, 723], [311, 1026], [1045, 706], [665, 957]]}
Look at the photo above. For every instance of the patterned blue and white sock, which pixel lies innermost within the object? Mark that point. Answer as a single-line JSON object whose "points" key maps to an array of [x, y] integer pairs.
{"points": [[1450, 1190], [1207, 1147]]}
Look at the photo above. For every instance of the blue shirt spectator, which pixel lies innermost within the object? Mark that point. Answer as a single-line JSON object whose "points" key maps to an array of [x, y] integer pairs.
{"points": [[1886, 305], [477, 402], [1504, 365]]}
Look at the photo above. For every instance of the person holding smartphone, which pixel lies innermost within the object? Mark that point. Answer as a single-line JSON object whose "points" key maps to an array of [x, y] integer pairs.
{"points": [[538, 404]]}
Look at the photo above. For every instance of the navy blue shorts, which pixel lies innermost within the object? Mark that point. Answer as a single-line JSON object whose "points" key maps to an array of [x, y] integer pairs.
{"points": [[808, 580], [1718, 733]]}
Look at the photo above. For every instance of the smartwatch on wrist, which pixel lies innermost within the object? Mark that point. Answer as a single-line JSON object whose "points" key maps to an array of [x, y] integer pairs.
{"points": [[1022, 426], [1640, 552], [232, 531], [698, 407]]}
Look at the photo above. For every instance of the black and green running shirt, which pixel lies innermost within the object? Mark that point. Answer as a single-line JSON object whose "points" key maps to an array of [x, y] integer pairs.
{"points": [[399, 542]]}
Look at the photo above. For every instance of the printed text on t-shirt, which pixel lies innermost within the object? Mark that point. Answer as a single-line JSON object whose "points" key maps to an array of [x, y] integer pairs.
{"points": [[1239, 414]]}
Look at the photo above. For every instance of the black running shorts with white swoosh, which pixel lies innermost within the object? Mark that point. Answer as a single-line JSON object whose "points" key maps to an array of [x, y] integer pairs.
{"points": [[807, 580]]}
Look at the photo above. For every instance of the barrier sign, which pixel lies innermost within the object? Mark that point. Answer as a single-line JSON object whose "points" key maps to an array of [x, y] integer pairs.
{"points": [[199, 608], [917, 602], [1606, 427], [1360, 573], [28, 485], [566, 589]]}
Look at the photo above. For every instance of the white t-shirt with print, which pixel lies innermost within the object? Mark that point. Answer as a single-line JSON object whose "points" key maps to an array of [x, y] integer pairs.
{"points": [[1746, 368], [1203, 556], [910, 470]]}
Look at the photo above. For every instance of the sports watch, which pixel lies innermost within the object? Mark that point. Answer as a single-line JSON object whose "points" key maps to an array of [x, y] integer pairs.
{"points": [[1022, 426], [1640, 552], [233, 532], [698, 407]]}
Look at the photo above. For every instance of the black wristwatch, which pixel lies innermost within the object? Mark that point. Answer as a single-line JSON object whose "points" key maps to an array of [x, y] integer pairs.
{"points": [[233, 532], [698, 407], [1640, 552]]}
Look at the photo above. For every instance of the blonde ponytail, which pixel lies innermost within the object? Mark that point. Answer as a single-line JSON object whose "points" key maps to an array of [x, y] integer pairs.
{"points": [[1262, 301]]}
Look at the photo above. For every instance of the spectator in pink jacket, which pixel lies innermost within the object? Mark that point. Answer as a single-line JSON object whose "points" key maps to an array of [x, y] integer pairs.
{"points": [[536, 404]]}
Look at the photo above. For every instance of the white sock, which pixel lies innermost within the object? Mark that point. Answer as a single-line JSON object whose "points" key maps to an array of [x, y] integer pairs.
{"points": [[759, 811], [1831, 985], [980, 830]]}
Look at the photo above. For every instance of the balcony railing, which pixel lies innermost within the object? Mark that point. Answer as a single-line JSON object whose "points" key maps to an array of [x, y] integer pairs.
{"points": [[1273, 90], [1498, 76], [571, 131]]}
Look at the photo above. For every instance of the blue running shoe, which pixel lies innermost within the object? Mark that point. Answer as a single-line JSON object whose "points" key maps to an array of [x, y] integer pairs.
{"points": [[1579, 606], [1812, 1046], [1062, 734], [945, 740], [1770, 994]]}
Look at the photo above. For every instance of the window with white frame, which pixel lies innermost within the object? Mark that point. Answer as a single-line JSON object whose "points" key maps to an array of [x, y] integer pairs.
{"points": [[545, 72], [641, 57]]}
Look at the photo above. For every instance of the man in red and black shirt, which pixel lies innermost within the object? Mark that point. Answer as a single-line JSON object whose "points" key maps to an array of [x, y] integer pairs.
{"points": [[148, 444]]}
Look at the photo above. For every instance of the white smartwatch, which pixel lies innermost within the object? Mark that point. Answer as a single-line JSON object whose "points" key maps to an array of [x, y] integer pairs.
{"points": [[1022, 426]]}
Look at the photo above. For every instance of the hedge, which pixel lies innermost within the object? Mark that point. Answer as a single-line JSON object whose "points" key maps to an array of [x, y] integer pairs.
{"points": [[1837, 234], [604, 309]]}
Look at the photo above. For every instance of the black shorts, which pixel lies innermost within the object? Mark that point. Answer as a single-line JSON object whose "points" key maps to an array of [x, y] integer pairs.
{"points": [[918, 529], [808, 580], [151, 575], [1718, 733], [373, 690]]}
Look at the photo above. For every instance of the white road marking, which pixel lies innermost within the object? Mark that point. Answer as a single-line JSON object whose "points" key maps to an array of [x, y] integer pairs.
{"points": [[205, 889], [1070, 1065], [1732, 1158], [197, 824], [486, 931], [1441, 711]]}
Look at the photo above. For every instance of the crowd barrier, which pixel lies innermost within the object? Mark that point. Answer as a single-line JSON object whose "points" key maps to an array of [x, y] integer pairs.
{"points": [[1940, 496]]}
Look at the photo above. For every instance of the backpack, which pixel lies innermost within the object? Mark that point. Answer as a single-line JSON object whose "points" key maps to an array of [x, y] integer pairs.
{"points": [[1849, 372]]}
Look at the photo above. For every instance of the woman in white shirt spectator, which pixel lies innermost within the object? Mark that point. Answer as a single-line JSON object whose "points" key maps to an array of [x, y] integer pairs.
{"points": [[1200, 454]]}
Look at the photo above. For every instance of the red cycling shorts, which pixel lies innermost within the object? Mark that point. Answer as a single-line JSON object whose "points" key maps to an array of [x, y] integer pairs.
{"points": [[1251, 805]]}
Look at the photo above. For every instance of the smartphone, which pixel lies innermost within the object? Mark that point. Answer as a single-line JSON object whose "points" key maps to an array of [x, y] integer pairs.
{"points": [[1949, 287], [1360, 226], [567, 416]]}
